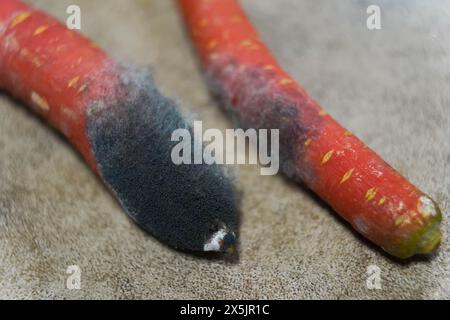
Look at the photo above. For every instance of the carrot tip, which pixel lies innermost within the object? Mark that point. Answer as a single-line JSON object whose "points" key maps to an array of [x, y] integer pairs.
{"points": [[431, 237], [428, 237], [430, 240]]}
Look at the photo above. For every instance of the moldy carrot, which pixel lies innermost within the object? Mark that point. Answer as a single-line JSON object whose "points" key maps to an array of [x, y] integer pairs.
{"points": [[374, 198], [116, 117]]}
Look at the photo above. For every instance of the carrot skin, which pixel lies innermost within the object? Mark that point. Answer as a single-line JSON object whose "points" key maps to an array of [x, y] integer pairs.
{"points": [[59, 65], [116, 117], [374, 198]]}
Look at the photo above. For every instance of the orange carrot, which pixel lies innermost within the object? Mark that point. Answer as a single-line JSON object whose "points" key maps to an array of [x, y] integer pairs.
{"points": [[377, 201], [122, 125]]}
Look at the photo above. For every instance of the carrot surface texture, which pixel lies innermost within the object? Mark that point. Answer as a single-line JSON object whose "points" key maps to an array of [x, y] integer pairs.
{"points": [[368, 193], [116, 117]]}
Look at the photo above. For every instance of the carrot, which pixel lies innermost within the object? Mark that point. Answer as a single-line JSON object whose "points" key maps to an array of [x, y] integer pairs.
{"points": [[115, 116], [374, 198]]}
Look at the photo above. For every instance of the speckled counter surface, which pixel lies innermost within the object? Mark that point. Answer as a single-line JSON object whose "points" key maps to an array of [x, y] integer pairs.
{"points": [[391, 87]]}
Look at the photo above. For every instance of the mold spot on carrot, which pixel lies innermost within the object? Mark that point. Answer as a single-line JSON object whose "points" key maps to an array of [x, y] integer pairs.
{"points": [[130, 132], [427, 207], [217, 240], [10, 43], [251, 88]]}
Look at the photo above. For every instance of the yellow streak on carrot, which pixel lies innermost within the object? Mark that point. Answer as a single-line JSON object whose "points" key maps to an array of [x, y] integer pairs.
{"points": [[203, 22], [20, 18], [371, 193], [73, 82], [327, 156], [40, 101], [40, 30], [83, 87], [212, 44], [269, 67], [323, 113], [286, 81], [236, 19], [382, 200], [307, 142], [347, 175], [348, 133], [246, 43], [249, 44]]}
